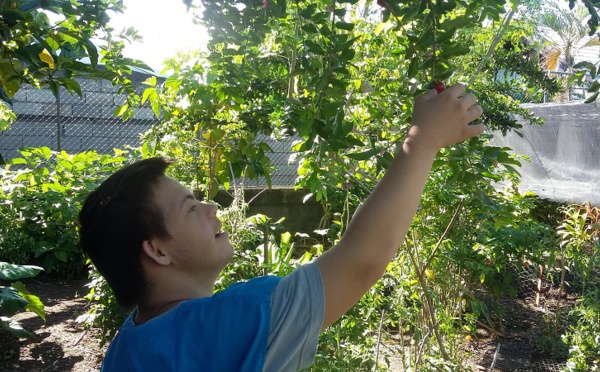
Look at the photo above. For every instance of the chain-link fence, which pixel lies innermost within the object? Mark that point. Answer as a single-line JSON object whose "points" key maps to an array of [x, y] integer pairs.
{"points": [[285, 173], [76, 124], [519, 350], [73, 123]]}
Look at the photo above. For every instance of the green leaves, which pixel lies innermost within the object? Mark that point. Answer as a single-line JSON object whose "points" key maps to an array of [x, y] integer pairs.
{"points": [[347, 26], [33, 302], [152, 95], [39, 202], [14, 328], [314, 47], [592, 98], [17, 298], [10, 300], [365, 155], [308, 11], [13, 272], [36, 52]]}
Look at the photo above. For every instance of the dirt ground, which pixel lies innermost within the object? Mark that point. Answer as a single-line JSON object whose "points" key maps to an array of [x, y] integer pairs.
{"points": [[59, 344]]}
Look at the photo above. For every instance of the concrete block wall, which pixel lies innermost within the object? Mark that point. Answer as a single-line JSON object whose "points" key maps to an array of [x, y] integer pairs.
{"points": [[300, 215]]}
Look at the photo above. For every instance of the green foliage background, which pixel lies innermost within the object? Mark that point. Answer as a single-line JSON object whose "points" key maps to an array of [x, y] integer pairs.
{"points": [[341, 77]]}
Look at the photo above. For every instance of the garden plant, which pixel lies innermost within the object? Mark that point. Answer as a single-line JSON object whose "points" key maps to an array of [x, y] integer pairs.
{"points": [[340, 77]]}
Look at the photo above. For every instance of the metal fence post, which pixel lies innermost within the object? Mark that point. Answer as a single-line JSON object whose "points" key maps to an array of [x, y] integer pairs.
{"points": [[58, 123]]}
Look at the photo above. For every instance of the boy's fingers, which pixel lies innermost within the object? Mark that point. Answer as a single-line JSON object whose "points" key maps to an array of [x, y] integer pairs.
{"points": [[469, 99], [457, 89], [474, 130], [430, 94], [474, 112]]}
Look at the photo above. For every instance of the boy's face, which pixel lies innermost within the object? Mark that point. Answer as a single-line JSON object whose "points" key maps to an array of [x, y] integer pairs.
{"points": [[197, 245]]}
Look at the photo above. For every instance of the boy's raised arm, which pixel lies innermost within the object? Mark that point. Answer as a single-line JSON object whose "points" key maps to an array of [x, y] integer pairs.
{"points": [[378, 227]]}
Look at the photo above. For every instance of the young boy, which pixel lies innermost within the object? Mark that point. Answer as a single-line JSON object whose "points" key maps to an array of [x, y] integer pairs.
{"points": [[161, 252]]}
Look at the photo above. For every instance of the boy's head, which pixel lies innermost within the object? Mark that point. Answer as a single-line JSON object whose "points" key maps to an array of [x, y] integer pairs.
{"points": [[116, 219], [142, 229]]}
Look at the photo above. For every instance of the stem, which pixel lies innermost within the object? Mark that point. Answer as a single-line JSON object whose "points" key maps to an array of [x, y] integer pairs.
{"points": [[490, 328], [211, 168], [328, 69], [401, 333], [257, 195], [420, 348], [434, 22], [539, 285], [429, 305], [58, 122], [560, 290], [444, 235], [292, 78], [266, 250], [379, 340], [507, 19], [420, 275], [495, 356]]}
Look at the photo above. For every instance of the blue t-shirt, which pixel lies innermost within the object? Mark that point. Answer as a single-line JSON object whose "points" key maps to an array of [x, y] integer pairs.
{"points": [[266, 324]]}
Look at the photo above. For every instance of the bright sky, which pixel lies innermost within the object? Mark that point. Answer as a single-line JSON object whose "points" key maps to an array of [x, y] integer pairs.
{"points": [[166, 27]]}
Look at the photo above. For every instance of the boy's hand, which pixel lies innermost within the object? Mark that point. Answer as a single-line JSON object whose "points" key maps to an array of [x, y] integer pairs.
{"points": [[441, 120]]}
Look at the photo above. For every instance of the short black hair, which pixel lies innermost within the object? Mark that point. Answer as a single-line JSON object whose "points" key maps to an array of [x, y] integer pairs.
{"points": [[116, 219]]}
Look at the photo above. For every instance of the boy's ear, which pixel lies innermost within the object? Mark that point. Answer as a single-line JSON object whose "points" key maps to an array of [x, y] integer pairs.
{"points": [[153, 251]]}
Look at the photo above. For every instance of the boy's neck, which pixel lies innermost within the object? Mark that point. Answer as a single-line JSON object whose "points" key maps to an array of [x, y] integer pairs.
{"points": [[145, 314], [166, 292]]}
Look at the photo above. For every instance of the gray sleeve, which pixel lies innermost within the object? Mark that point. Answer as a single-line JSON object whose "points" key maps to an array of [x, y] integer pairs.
{"points": [[297, 313]]}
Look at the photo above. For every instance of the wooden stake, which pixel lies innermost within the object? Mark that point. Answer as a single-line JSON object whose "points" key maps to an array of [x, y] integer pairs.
{"points": [[539, 285]]}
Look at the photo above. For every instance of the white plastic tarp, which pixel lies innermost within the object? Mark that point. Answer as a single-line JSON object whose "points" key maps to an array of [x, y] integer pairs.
{"points": [[564, 153]]}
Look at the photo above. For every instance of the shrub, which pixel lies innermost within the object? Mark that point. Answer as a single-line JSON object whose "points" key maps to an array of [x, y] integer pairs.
{"points": [[583, 335], [104, 313], [40, 197], [580, 244]]}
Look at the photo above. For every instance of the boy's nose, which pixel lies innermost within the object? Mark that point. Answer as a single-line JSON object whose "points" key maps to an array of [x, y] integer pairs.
{"points": [[211, 209]]}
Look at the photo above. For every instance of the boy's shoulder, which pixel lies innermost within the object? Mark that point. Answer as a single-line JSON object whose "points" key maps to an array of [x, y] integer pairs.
{"points": [[262, 285]]}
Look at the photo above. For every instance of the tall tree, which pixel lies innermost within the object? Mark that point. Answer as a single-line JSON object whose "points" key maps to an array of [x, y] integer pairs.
{"points": [[564, 33]]}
